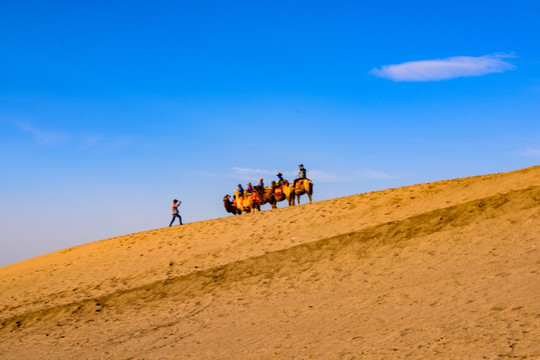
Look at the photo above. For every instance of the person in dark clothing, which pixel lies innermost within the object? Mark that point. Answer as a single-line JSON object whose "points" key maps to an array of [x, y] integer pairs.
{"points": [[240, 190], [175, 213], [301, 174], [273, 187], [280, 177]]}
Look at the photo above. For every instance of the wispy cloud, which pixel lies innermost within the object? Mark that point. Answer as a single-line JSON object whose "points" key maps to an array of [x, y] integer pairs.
{"points": [[531, 152], [44, 137], [374, 174], [326, 176], [444, 69], [78, 141], [247, 173], [90, 140], [316, 175], [241, 173]]}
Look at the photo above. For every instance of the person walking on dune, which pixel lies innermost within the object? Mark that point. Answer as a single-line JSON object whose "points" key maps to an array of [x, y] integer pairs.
{"points": [[175, 213]]}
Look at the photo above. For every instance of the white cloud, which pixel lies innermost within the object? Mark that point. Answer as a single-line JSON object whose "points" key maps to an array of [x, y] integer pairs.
{"points": [[326, 177], [90, 140], [444, 69], [76, 141], [315, 175], [44, 137], [374, 174], [531, 152], [321, 176], [248, 173]]}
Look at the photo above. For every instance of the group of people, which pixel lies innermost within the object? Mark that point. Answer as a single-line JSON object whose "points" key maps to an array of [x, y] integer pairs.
{"points": [[249, 189], [275, 184]]}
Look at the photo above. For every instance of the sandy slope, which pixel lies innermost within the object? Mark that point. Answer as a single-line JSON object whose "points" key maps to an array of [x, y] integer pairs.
{"points": [[440, 270]]}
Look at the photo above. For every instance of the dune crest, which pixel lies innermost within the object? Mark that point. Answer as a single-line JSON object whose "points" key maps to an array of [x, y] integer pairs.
{"points": [[440, 270]]}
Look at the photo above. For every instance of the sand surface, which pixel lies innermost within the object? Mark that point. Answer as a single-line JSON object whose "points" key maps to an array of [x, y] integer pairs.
{"points": [[445, 270]]}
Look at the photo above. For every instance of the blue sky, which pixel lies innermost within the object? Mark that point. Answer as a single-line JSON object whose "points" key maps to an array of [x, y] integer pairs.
{"points": [[109, 110]]}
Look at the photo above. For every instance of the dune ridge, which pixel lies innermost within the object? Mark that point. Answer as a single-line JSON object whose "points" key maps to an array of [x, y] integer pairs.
{"points": [[252, 277]]}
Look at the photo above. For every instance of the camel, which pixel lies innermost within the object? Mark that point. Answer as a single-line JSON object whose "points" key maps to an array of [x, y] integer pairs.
{"points": [[248, 202], [230, 207], [304, 186], [240, 202], [252, 202], [265, 196], [284, 191]]}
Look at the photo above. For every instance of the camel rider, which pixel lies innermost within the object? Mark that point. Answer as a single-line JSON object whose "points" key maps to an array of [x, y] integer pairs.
{"points": [[273, 187], [261, 183], [249, 187], [240, 190], [301, 174], [280, 177]]}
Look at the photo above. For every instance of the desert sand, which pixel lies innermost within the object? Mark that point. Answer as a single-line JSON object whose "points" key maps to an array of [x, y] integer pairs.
{"points": [[444, 270]]}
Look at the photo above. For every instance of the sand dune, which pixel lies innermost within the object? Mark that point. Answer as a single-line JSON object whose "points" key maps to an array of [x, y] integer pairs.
{"points": [[446, 270]]}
